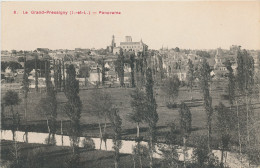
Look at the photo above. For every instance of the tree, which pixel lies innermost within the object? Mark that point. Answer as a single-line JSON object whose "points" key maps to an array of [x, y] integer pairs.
{"points": [[84, 72], [103, 70], [119, 67], [4, 65], [231, 83], [138, 103], [73, 110], [245, 80], [48, 105], [63, 74], [204, 77], [56, 75], [36, 74], [11, 99], [161, 67], [30, 65], [14, 66], [13, 52], [225, 124], [202, 155], [100, 105], [25, 87], [171, 87], [170, 157], [21, 59], [47, 77], [203, 54], [190, 75], [245, 88], [116, 123], [151, 115], [48, 108], [139, 152], [185, 124], [59, 76], [177, 49], [132, 65]]}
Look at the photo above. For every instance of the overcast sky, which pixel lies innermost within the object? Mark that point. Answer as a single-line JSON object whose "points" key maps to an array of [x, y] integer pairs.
{"points": [[194, 25]]}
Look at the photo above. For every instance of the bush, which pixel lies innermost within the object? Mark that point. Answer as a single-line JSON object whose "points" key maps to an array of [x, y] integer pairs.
{"points": [[88, 144], [224, 97], [172, 105], [50, 140]]}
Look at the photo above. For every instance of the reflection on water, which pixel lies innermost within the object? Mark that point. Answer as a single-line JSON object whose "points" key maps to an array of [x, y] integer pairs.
{"points": [[127, 146]]}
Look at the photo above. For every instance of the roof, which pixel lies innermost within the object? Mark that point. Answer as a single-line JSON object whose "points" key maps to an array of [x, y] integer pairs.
{"points": [[130, 43]]}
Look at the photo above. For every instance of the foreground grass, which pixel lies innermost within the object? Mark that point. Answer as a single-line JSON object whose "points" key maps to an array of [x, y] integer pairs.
{"points": [[46, 156]]}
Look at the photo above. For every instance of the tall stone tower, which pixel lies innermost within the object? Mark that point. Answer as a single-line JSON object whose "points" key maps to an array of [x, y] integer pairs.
{"points": [[113, 44]]}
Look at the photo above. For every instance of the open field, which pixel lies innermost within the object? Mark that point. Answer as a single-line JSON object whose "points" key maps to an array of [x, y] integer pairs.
{"points": [[121, 98]]}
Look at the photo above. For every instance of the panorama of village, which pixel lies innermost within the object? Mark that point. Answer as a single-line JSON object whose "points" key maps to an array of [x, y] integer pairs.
{"points": [[126, 105]]}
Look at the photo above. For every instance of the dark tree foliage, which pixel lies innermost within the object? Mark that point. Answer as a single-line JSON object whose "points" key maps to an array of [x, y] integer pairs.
{"points": [[14, 65], [14, 52], [132, 65], [48, 82], [103, 70], [141, 66], [100, 105], [84, 72], [177, 49], [59, 75], [225, 123], [204, 77], [171, 87], [161, 67], [245, 73], [202, 155], [151, 115], [190, 75], [48, 104], [231, 82], [36, 74], [203, 54], [73, 110], [185, 125], [56, 75], [4, 65], [30, 65], [170, 156], [48, 107], [21, 59], [11, 99], [116, 123], [25, 87], [119, 67], [138, 104], [63, 75], [185, 118], [246, 85]]}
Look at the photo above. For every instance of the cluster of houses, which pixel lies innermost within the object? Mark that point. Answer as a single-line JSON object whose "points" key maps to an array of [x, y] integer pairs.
{"points": [[176, 62], [170, 61]]}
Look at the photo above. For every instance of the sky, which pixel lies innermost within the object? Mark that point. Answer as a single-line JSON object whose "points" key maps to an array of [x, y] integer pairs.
{"points": [[189, 25]]}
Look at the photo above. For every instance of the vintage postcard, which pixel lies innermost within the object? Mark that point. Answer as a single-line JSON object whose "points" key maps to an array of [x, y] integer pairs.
{"points": [[128, 84]]}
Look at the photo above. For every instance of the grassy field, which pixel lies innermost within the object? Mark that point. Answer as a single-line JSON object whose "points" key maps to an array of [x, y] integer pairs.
{"points": [[121, 98], [45, 156]]}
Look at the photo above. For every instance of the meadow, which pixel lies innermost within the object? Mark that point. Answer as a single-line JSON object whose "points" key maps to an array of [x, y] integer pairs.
{"points": [[121, 99]]}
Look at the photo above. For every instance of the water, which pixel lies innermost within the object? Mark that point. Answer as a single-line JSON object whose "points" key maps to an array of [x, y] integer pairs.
{"points": [[127, 146]]}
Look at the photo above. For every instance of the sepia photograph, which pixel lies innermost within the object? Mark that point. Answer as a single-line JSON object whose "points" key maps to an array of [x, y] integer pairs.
{"points": [[130, 84]]}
